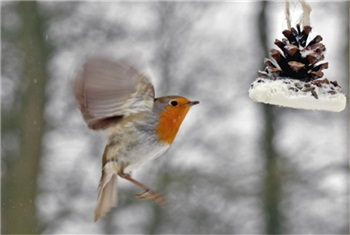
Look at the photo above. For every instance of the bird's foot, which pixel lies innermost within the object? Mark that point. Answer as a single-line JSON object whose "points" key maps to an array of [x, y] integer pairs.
{"points": [[152, 195]]}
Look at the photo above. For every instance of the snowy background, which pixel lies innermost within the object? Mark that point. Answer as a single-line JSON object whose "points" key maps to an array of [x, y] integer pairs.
{"points": [[217, 175]]}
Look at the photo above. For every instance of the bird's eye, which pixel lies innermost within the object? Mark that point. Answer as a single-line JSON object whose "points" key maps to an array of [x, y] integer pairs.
{"points": [[173, 102]]}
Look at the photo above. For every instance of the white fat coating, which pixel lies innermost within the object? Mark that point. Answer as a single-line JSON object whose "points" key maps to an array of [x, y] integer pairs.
{"points": [[279, 92]]}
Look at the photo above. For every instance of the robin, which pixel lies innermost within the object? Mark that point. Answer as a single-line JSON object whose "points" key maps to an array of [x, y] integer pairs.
{"points": [[116, 98]]}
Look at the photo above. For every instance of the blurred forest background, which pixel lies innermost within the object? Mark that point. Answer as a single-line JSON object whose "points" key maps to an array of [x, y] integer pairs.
{"points": [[236, 167]]}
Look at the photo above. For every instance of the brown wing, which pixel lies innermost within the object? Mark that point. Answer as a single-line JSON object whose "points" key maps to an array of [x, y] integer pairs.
{"points": [[107, 90]]}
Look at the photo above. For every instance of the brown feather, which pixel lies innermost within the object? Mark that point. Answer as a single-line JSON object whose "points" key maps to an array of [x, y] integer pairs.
{"points": [[107, 90], [107, 195]]}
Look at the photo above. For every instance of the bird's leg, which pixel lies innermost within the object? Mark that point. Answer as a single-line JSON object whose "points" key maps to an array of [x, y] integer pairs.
{"points": [[148, 193]]}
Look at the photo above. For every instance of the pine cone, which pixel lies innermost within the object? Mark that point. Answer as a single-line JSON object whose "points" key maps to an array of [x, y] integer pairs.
{"points": [[298, 61]]}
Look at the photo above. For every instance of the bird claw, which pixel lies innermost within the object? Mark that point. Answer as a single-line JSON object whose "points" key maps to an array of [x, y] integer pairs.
{"points": [[151, 195], [148, 193]]}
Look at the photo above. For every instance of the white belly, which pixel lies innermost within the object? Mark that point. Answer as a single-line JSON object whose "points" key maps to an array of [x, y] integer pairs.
{"points": [[131, 145], [142, 155]]}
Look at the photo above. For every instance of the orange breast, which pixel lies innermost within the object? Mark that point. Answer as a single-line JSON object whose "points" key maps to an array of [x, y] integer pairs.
{"points": [[169, 123]]}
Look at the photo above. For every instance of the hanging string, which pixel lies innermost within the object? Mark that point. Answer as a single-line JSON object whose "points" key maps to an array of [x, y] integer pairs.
{"points": [[305, 16], [289, 25], [304, 19]]}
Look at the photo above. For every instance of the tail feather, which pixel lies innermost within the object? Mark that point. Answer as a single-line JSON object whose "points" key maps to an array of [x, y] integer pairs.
{"points": [[107, 195]]}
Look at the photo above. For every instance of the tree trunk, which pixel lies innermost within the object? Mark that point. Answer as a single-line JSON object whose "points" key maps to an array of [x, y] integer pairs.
{"points": [[19, 192], [271, 186]]}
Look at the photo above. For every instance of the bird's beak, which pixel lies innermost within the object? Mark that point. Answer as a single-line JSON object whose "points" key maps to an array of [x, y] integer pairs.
{"points": [[192, 103]]}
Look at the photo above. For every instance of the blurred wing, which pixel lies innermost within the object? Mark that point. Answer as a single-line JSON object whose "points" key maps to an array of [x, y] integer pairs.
{"points": [[107, 90]]}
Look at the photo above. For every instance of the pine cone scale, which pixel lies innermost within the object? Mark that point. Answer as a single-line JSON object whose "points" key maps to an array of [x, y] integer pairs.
{"points": [[295, 60]]}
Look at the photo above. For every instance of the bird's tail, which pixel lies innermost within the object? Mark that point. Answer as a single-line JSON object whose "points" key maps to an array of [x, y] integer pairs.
{"points": [[107, 195]]}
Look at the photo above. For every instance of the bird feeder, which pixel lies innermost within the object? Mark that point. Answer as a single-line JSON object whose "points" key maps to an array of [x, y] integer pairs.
{"points": [[293, 77]]}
